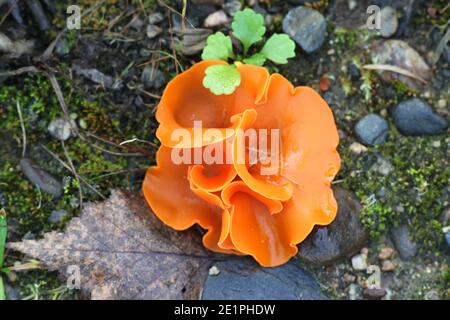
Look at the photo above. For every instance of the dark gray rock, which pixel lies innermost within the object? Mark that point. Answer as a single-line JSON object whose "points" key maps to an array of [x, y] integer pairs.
{"points": [[403, 242], [306, 26], [341, 239], [447, 238], [374, 293], [353, 71], [245, 280], [372, 130], [232, 6], [415, 117], [57, 216], [40, 178]]}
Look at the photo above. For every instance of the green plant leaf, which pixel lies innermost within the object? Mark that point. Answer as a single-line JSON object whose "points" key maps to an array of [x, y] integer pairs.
{"points": [[279, 48], [218, 47], [256, 59], [222, 79], [248, 27], [3, 230], [2, 290]]}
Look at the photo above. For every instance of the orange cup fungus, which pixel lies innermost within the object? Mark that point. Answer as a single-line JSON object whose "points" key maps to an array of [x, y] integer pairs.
{"points": [[243, 209]]}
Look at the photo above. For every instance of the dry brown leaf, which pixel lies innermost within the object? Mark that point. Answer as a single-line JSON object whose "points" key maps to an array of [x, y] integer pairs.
{"points": [[124, 252]]}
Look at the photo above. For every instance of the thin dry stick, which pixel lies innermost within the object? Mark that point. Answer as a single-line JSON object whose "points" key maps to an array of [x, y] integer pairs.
{"points": [[11, 8], [77, 177], [20, 71], [65, 165], [388, 67], [24, 132]]}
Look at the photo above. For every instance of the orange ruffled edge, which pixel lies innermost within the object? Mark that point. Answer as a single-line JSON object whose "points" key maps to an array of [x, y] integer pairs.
{"points": [[242, 212]]}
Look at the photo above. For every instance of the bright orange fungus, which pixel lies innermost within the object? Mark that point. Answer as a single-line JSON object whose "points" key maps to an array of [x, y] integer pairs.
{"points": [[244, 211]]}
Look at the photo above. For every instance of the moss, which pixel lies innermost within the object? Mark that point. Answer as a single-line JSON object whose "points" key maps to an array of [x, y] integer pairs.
{"points": [[413, 191], [28, 208]]}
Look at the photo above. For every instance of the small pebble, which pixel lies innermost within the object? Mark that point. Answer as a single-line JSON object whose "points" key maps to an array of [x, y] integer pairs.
{"points": [[155, 18], [385, 253], [153, 31], [232, 6], [359, 262], [213, 271], [352, 4], [374, 293], [357, 148], [372, 129], [216, 19], [389, 21], [442, 103], [388, 265], [349, 278], [324, 84], [60, 129]]}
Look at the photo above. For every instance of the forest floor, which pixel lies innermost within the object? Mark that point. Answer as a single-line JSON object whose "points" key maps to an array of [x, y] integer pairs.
{"points": [[111, 74]]}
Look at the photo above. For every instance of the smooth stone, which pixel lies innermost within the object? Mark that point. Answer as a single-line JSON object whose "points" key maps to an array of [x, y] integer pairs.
{"points": [[232, 6], [155, 18], [216, 19], [243, 279], [374, 293], [342, 238], [400, 54], [57, 216], [60, 129], [389, 21], [403, 242], [306, 26], [372, 130], [415, 117], [359, 262], [153, 31], [40, 178]]}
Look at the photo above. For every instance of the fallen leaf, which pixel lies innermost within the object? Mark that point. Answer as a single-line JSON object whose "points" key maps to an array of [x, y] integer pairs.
{"points": [[124, 252]]}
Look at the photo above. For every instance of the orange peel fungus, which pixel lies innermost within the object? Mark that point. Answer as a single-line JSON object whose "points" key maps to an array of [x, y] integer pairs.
{"points": [[250, 207]]}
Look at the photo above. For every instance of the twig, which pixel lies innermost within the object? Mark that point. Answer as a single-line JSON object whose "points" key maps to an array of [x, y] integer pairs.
{"points": [[77, 177], [65, 165], [24, 132], [20, 71], [387, 67]]}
